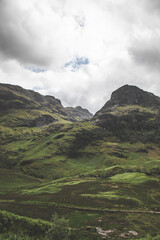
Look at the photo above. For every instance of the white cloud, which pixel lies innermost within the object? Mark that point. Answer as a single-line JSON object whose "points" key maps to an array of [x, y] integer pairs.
{"points": [[111, 34]]}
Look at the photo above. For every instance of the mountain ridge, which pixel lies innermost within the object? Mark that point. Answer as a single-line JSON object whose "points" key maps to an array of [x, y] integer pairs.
{"points": [[131, 95], [80, 169], [131, 112], [41, 109]]}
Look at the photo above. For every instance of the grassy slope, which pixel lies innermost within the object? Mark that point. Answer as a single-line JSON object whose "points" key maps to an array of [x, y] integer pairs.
{"points": [[97, 171], [12, 181]]}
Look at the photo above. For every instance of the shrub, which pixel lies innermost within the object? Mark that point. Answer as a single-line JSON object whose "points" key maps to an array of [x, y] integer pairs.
{"points": [[59, 229]]}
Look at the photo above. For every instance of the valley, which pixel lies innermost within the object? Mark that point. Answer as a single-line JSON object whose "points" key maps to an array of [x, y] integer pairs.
{"points": [[101, 173]]}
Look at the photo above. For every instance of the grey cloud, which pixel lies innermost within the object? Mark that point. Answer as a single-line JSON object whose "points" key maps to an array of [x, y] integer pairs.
{"points": [[146, 52], [152, 5], [16, 38], [96, 34]]}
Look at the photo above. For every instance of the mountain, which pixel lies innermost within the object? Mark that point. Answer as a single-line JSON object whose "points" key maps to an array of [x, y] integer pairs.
{"points": [[131, 95], [32, 121], [26, 108], [131, 112], [102, 173], [78, 113]]}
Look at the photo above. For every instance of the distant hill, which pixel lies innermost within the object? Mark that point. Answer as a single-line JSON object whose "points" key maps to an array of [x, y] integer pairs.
{"points": [[42, 138], [78, 113], [103, 173]]}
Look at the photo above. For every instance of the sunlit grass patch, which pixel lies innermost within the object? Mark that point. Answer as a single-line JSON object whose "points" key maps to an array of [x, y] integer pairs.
{"points": [[54, 186], [112, 195], [132, 178]]}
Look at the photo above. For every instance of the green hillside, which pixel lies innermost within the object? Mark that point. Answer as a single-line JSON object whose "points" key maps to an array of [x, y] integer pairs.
{"points": [[102, 174]]}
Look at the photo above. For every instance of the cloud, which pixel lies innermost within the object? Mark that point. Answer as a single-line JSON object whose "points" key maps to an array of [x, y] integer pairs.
{"points": [[80, 51], [146, 51], [35, 33], [153, 5], [18, 38], [144, 46]]}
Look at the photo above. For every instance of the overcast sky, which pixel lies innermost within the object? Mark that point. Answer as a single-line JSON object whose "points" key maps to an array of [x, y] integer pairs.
{"points": [[80, 50]]}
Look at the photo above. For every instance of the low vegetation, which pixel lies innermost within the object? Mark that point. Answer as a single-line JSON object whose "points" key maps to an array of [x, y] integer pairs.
{"points": [[102, 175]]}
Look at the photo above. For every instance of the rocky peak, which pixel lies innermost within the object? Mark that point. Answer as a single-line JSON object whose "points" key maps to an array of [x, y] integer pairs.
{"points": [[130, 109], [132, 95]]}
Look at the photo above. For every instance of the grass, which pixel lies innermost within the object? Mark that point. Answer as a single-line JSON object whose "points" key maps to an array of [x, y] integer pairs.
{"points": [[132, 178], [87, 195], [14, 223], [11, 236], [79, 219], [12, 181], [122, 110], [150, 238], [61, 150], [113, 195], [54, 186], [95, 170]]}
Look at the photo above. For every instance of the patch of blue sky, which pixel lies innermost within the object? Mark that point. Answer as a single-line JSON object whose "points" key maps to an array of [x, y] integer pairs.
{"points": [[76, 63], [80, 21], [37, 88], [35, 69]]}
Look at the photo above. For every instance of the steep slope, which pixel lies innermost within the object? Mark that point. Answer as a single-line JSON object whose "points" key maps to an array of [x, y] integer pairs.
{"points": [[62, 148], [131, 95], [78, 113], [26, 108], [131, 114], [102, 174], [36, 132]]}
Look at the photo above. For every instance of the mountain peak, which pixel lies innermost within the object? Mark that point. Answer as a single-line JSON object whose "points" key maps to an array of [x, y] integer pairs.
{"points": [[132, 95]]}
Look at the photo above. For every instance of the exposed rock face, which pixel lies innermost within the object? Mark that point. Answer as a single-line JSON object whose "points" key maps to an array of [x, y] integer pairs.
{"points": [[131, 95], [78, 113], [133, 109], [135, 120]]}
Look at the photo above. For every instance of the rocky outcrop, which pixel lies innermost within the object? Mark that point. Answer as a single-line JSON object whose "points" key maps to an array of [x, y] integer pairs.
{"points": [[131, 112], [136, 120], [131, 95]]}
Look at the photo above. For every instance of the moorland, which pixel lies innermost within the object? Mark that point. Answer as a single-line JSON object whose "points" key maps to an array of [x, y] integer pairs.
{"points": [[101, 172]]}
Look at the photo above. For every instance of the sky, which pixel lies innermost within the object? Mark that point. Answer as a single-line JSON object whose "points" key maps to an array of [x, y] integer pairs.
{"points": [[80, 51]]}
